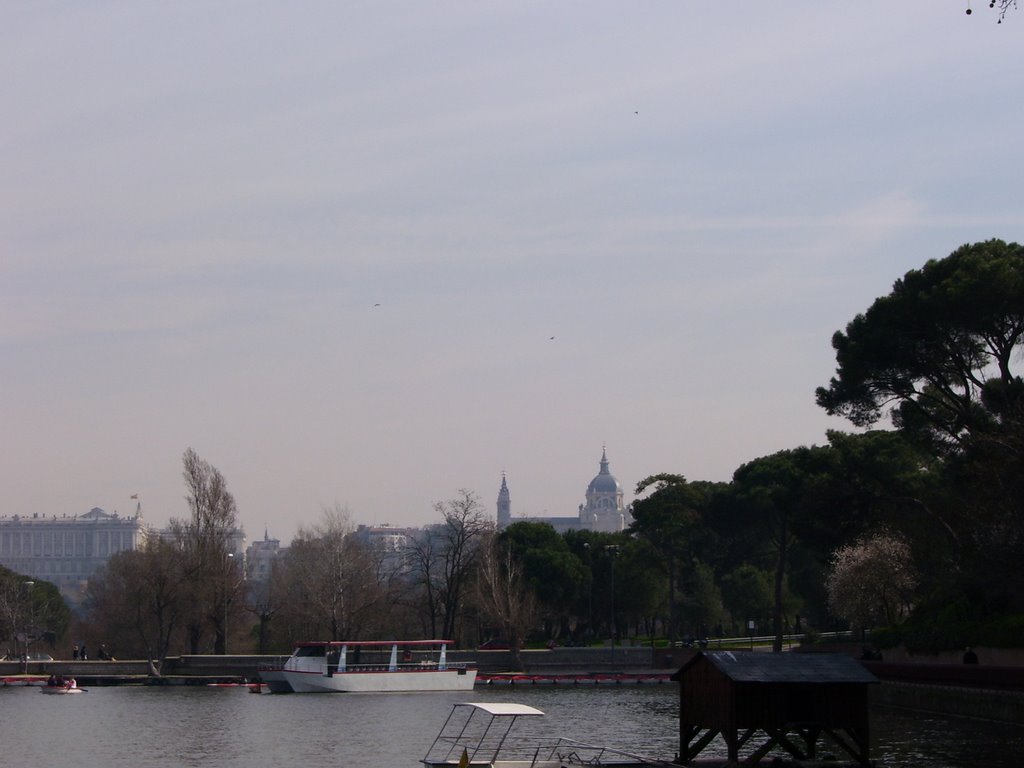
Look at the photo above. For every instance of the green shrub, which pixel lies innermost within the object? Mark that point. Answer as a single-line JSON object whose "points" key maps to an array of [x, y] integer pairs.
{"points": [[956, 626], [887, 637], [811, 636]]}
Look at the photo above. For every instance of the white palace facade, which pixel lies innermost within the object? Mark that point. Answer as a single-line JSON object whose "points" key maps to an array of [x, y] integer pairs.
{"points": [[66, 550]]}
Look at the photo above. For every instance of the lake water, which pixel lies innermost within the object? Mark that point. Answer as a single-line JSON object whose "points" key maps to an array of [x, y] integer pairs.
{"points": [[144, 727]]}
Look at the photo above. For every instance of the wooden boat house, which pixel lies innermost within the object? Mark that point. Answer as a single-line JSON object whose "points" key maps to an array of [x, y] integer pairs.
{"points": [[790, 699]]}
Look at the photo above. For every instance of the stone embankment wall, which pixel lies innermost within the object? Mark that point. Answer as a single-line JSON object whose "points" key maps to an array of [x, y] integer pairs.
{"points": [[77, 669], [129, 670], [626, 658], [580, 660], [939, 683], [987, 657]]}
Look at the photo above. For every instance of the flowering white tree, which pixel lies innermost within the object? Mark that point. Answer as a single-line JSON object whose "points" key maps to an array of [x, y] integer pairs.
{"points": [[871, 581]]}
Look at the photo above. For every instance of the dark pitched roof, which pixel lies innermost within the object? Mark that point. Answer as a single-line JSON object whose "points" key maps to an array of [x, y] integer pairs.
{"points": [[753, 667]]}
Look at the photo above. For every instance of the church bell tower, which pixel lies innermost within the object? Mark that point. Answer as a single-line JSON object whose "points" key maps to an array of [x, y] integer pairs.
{"points": [[504, 505]]}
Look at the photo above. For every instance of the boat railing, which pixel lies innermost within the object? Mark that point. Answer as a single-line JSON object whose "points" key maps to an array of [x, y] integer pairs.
{"points": [[561, 752], [325, 668], [476, 734], [571, 752], [482, 751]]}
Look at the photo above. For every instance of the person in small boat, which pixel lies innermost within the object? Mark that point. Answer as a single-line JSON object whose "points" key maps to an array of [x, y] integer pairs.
{"points": [[71, 683], [52, 681]]}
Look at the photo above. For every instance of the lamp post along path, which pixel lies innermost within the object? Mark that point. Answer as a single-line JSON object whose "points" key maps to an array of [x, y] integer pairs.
{"points": [[31, 612], [227, 589], [613, 550]]}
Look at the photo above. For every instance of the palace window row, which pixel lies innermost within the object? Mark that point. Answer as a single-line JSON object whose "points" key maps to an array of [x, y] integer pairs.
{"points": [[65, 543]]}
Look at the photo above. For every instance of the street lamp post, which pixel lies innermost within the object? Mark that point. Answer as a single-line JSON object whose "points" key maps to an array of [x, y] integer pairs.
{"points": [[613, 549], [590, 590], [227, 581], [32, 618]]}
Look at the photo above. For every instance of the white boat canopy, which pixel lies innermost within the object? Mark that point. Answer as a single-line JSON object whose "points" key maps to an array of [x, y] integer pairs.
{"points": [[503, 709]]}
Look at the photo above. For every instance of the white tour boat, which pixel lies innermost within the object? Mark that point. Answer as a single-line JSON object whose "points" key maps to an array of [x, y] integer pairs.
{"points": [[371, 666], [476, 734]]}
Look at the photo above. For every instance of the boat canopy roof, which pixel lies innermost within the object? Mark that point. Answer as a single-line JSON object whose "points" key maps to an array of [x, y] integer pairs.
{"points": [[502, 708], [372, 643]]}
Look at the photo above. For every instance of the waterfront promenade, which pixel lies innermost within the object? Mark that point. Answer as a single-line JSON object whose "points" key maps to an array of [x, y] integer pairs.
{"points": [[208, 668], [937, 684]]}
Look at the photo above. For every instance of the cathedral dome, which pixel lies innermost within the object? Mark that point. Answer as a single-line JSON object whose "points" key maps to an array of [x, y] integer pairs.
{"points": [[604, 482]]}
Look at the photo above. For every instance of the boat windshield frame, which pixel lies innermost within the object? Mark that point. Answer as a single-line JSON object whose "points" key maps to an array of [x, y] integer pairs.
{"points": [[482, 742], [455, 737]]}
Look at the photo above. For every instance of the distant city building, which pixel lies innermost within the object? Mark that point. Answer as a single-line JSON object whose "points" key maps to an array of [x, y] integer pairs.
{"points": [[64, 550], [235, 540], [389, 543], [384, 538], [260, 557], [604, 509]]}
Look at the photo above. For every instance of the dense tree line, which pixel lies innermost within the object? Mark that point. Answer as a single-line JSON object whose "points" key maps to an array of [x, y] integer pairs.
{"points": [[940, 357], [917, 526], [914, 522]]}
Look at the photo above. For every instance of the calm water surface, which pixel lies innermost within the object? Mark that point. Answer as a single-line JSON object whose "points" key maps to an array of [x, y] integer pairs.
{"points": [[146, 727]]}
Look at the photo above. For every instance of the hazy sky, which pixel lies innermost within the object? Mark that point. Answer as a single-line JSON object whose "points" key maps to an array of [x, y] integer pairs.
{"points": [[370, 253]]}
